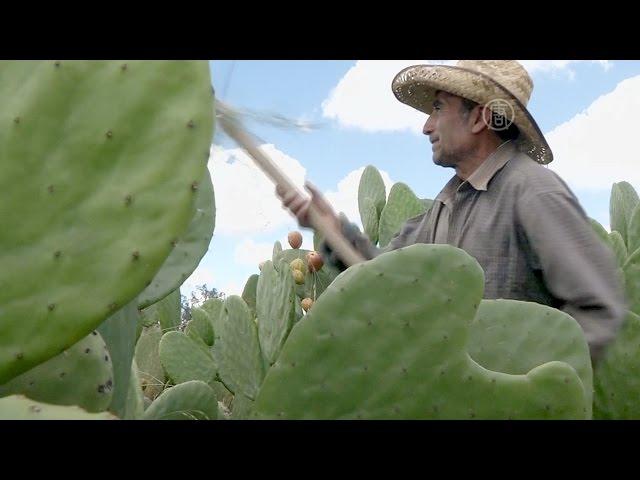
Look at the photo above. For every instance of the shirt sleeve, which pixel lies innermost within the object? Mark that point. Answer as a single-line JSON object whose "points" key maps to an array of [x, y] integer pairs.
{"points": [[576, 266], [362, 243]]}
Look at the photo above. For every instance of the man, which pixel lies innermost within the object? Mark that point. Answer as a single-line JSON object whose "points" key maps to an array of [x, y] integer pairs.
{"points": [[519, 220]]}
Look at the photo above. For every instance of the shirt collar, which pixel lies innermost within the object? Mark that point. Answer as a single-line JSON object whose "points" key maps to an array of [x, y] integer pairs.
{"points": [[484, 173], [482, 176]]}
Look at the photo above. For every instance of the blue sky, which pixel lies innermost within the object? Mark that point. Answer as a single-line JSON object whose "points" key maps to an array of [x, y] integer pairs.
{"points": [[586, 109]]}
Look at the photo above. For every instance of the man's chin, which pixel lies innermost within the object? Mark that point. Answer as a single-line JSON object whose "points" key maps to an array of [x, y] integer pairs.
{"points": [[441, 162]]}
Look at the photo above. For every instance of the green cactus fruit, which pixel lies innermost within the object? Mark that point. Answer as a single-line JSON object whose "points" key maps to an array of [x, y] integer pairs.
{"points": [[402, 205], [81, 375], [275, 300], [185, 359], [147, 356], [189, 248], [631, 271], [134, 406], [622, 203], [514, 337], [249, 293], [633, 234], [200, 327], [237, 351], [19, 407], [193, 400], [241, 407], [619, 248], [376, 346], [166, 312], [297, 264], [372, 197], [112, 150], [298, 277], [617, 375], [119, 334], [277, 248]]}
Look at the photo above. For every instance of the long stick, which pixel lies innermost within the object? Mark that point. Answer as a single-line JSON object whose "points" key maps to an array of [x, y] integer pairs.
{"points": [[334, 237]]}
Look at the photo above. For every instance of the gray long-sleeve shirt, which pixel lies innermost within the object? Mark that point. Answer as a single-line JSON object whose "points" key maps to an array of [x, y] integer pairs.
{"points": [[529, 234]]}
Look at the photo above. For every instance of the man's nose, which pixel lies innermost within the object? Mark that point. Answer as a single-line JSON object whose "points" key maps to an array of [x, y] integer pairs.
{"points": [[428, 126]]}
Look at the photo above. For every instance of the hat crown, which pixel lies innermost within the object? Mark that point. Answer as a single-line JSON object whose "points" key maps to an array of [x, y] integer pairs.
{"points": [[508, 73]]}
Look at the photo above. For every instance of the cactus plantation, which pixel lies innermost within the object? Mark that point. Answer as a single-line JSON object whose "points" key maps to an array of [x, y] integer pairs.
{"points": [[115, 208]]}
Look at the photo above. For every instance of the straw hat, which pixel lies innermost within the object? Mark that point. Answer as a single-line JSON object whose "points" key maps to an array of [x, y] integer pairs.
{"points": [[502, 85]]}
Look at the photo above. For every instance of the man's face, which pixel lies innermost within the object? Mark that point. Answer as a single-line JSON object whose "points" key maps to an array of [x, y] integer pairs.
{"points": [[448, 130]]}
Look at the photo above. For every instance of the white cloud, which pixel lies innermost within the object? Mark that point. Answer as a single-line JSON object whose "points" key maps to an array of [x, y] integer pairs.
{"points": [[246, 202], [346, 198], [597, 147], [232, 288], [363, 98], [251, 253], [559, 66], [200, 276]]}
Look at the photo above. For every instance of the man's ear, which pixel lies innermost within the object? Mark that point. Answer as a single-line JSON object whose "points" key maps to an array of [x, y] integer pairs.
{"points": [[480, 118]]}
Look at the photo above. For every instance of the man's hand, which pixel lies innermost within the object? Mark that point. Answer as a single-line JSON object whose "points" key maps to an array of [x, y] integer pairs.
{"points": [[299, 205]]}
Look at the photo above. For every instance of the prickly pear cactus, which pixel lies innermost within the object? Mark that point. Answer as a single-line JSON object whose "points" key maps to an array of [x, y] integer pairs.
{"points": [[147, 356], [19, 407], [200, 327], [119, 334], [193, 400], [633, 233], [631, 270], [372, 197], [515, 337], [402, 205], [601, 231], [106, 154], [249, 293], [276, 298], [237, 351], [188, 250], [617, 375], [185, 359], [375, 346], [134, 405], [619, 248], [622, 203], [81, 375], [166, 312], [277, 248]]}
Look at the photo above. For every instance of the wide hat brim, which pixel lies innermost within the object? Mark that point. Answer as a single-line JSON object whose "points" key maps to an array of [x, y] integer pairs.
{"points": [[417, 85]]}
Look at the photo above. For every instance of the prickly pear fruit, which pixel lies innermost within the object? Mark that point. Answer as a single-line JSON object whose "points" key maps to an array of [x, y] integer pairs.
{"points": [[314, 261], [297, 264], [307, 303], [295, 239], [298, 277]]}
